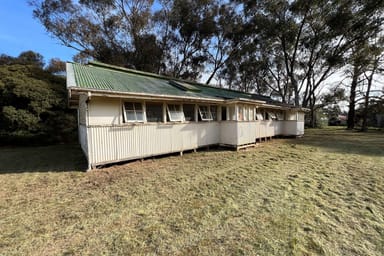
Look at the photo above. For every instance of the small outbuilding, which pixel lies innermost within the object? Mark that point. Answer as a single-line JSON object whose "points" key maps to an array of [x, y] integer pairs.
{"points": [[126, 114]]}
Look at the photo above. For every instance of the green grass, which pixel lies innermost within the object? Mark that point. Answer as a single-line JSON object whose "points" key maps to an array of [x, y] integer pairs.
{"points": [[319, 195]]}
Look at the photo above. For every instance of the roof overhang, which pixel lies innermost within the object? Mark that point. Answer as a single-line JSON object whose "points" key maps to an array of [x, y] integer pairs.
{"points": [[286, 107], [244, 101], [300, 109], [270, 106], [74, 93]]}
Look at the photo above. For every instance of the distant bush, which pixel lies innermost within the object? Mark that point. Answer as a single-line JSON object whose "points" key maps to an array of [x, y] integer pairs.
{"points": [[33, 103]]}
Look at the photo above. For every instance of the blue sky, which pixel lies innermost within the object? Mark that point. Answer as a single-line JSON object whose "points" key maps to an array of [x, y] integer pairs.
{"points": [[19, 32]]}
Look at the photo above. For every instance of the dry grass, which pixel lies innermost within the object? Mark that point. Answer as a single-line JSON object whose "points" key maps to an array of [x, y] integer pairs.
{"points": [[319, 195]]}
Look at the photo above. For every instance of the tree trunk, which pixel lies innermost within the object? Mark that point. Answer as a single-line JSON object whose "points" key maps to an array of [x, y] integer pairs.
{"points": [[352, 99], [313, 118], [212, 74], [296, 91], [312, 105], [364, 126]]}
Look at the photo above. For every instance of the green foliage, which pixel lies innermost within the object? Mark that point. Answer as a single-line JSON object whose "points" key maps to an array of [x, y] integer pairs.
{"points": [[114, 32], [56, 66], [335, 95], [374, 113], [33, 103], [284, 48], [19, 120], [192, 26], [30, 57]]}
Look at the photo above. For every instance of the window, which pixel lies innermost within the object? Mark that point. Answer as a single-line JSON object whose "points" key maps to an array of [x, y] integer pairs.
{"points": [[223, 113], [280, 116], [271, 116], [240, 113], [251, 114], [174, 113], [213, 110], [154, 112], [300, 117], [245, 113], [133, 112], [290, 116], [189, 112], [205, 113], [232, 113], [259, 116]]}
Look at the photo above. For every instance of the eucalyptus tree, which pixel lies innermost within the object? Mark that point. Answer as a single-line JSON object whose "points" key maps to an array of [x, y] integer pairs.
{"points": [[221, 46], [287, 48], [186, 28], [111, 31], [302, 43], [363, 26], [373, 66], [369, 75]]}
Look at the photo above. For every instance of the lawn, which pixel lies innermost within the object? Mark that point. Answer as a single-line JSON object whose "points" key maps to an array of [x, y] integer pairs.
{"points": [[319, 195]]}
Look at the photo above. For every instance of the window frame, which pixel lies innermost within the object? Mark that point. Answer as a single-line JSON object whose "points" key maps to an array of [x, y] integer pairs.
{"points": [[179, 112], [232, 113], [240, 113], [272, 116], [213, 113], [161, 118], [224, 113], [186, 108], [280, 116], [207, 111], [259, 116], [251, 114], [135, 112]]}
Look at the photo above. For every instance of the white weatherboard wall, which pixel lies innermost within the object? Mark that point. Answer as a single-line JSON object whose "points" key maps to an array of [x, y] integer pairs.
{"points": [[105, 138], [125, 142], [278, 126], [293, 128], [241, 133], [228, 132], [112, 140], [246, 133], [294, 124], [104, 111], [265, 128]]}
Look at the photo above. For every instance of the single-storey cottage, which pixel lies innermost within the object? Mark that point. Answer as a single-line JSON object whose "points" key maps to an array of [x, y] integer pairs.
{"points": [[126, 114]]}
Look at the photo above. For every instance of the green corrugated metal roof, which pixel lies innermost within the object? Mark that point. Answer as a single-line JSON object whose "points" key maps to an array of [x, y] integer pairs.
{"points": [[101, 76]]}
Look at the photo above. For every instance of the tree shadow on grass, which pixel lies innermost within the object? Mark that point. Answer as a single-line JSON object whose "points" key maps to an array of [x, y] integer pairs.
{"points": [[54, 158], [344, 141]]}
